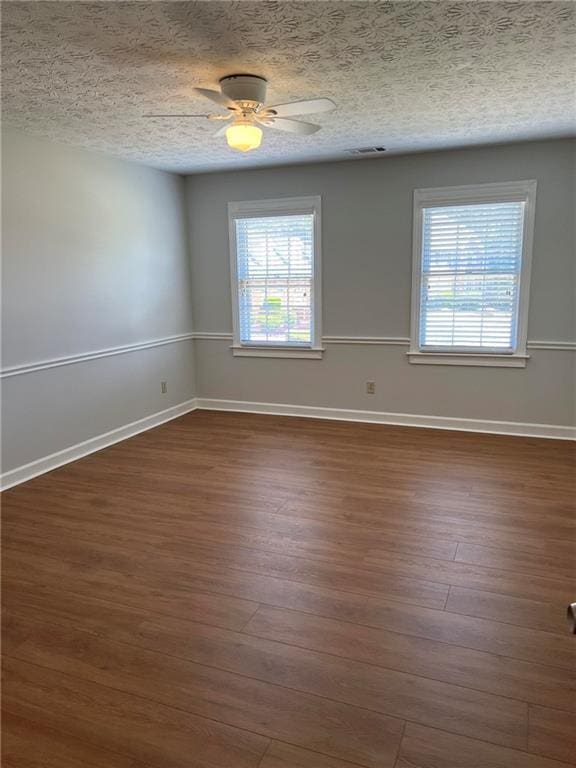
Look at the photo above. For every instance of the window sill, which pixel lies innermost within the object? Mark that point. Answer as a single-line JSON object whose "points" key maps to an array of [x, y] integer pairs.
{"points": [[493, 360], [287, 352]]}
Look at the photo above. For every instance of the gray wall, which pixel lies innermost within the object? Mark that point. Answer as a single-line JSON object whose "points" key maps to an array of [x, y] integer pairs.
{"points": [[367, 226], [95, 256]]}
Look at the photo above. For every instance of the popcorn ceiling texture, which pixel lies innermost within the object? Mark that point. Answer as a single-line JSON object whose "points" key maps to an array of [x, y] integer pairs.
{"points": [[407, 75]]}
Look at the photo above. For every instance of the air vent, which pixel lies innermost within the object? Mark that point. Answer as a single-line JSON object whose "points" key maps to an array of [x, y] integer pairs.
{"points": [[366, 151]]}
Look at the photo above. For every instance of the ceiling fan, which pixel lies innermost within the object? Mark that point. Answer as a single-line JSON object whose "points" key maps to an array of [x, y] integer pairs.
{"points": [[244, 97]]}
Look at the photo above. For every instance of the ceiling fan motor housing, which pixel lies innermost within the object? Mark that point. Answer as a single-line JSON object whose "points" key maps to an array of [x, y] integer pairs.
{"points": [[250, 89]]}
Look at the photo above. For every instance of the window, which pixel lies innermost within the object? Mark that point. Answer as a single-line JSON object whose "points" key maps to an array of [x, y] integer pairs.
{"points": [[472, 253], [275, 267]]}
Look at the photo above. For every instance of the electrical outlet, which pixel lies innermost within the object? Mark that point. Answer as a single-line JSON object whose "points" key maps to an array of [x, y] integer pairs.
{"points": [[370, 387], [164, 387]]}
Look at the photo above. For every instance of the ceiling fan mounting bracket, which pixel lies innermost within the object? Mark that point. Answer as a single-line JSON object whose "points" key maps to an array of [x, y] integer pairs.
{"points": [[250, 90]]}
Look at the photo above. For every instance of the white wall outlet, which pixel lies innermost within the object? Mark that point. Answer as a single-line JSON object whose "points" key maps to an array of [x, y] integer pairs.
{"points": [[370, 387], [164, 387]]}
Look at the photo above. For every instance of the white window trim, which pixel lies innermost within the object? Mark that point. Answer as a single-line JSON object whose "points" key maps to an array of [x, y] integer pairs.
{"points": [[256, 208], [476, 193]]}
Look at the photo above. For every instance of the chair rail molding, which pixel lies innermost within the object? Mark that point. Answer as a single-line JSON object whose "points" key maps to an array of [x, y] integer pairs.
{"points": [[560, 346], [82, 357], [57, 362]]}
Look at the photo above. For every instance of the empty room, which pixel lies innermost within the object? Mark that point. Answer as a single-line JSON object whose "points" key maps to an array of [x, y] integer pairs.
{"points": [[288, 383]]}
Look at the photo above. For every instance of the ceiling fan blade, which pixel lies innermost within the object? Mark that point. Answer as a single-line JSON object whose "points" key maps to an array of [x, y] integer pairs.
{"points": [[175, 115], [216, 97], [218, 118], [306, 107], [291, 126], [221, 131]]}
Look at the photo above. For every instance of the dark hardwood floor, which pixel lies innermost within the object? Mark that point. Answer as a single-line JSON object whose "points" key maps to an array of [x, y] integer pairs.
{"points": [[243, 591]]}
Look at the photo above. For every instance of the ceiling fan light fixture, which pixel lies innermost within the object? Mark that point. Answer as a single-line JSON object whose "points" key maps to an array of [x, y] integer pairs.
{"points": [[244, 98], [244, 136]]}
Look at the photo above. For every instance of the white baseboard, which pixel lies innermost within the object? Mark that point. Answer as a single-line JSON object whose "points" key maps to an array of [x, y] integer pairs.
{"points": [[397, 419], [74, 452]]}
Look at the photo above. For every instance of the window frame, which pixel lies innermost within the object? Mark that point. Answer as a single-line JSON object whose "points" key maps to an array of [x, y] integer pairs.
{"points": [[288, 206], [502, 192]]}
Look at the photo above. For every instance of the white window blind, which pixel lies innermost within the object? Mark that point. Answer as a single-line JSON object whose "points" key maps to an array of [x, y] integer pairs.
{"points": [[275, 271], [471, 267]]}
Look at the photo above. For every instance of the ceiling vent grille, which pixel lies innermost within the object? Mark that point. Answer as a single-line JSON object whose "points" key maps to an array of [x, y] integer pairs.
{"points": [[366, 151]]}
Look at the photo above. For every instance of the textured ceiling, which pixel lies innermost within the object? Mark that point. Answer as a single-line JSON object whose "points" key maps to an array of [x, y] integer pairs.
{"points": [[406, 75]]}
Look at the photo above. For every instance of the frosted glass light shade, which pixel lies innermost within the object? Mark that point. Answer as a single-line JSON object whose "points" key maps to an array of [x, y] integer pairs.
{"points": [[244, 137]]}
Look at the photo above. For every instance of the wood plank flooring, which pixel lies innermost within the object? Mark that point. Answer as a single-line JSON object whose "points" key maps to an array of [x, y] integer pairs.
{"points": [[245, 591]]}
